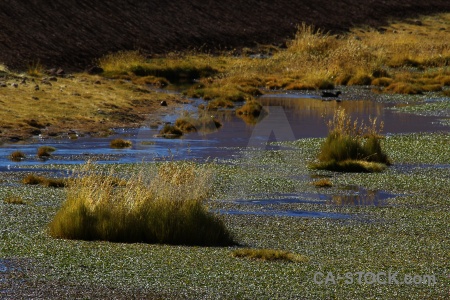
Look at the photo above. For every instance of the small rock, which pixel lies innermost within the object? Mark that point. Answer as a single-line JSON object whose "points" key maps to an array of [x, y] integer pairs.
{"points": [[35, 98], [45, 81], [51, 71], [98, 82], [163, 103], [3, 84], [15, 85], [36, 87], [95, 70], [53, 78], [60, 72]]}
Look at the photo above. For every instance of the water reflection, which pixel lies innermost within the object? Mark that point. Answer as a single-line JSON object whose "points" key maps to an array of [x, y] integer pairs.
{"points": [[354, 196], [289, 117], [289, 213]]}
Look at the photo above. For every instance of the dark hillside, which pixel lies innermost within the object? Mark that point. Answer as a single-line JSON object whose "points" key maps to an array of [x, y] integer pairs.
{"points": [[71, 33]]}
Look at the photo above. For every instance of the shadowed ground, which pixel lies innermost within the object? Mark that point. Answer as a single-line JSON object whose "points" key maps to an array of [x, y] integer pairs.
{"points": [[72, 33]]}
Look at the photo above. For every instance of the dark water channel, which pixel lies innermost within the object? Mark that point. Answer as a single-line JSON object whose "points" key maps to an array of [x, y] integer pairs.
{"points": [[289, 117]]}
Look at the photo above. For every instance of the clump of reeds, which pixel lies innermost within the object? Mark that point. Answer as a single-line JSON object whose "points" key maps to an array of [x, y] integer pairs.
{"points": [[269, 255], [252, 107], [204, 123], [323, 183], [120, 143], [17, 156], [170, 131], [14, 199], [45, 151], [351, 146], [121, 62], [33, 179], [35, 69], [166, 207]]}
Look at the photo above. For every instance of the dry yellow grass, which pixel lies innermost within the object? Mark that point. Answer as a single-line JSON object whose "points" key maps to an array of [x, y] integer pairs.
{"points": [[84, 103], [166, 207]]}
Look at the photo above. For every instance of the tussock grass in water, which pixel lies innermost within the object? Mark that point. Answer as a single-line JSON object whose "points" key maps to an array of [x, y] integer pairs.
{"points": [[120, 143], [32, 179], [269, 255], [17, 156], [165, 208], [203, 123], [351, 146], [323, 183], [14, 199], [45, 151]]}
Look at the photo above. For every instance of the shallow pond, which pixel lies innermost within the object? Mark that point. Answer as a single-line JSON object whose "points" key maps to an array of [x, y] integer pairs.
{"points": [[290, 117]]}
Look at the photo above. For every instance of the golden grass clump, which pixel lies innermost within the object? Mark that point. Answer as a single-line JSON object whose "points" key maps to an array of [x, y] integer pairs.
{"points": [[166, 207], [352, 146], [14, 199], [403, 88], [33, 179], [252, 107], [219, 103], [120, 143], [204, 123], [269, 255], [17, 156], [121, 62], [170, 131], [323, 183], [45, 151], [35, 69]]}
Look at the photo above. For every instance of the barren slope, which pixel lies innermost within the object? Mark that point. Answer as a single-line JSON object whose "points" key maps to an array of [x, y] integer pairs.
{"points": [[71, 33]]}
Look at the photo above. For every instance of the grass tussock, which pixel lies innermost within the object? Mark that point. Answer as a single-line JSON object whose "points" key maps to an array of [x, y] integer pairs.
{"points": [[120, 143], [17, 156], [252, 108], [351, 146], [170, 131], [45, 151], [14, 199], [33, 179], [204, 123], [174, 68], [166, 207], [269, 255], [219, 103], [35, 69], [323, 183]]}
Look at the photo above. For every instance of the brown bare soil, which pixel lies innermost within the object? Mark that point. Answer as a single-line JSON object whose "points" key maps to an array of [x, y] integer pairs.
{"points": [[73, 33]]}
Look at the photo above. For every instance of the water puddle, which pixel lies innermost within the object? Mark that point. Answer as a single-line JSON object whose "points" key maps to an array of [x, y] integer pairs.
{"points": [[290, 117], [275, 204], [353, 196], [290, 213]]}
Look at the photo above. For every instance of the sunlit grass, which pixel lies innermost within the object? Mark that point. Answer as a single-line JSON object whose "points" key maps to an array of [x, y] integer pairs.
{"points": [[45, 151], [33, 179], [120, 143], [14, 199], [165, 208], [17, 156], [352, 146], [315, 59]]}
